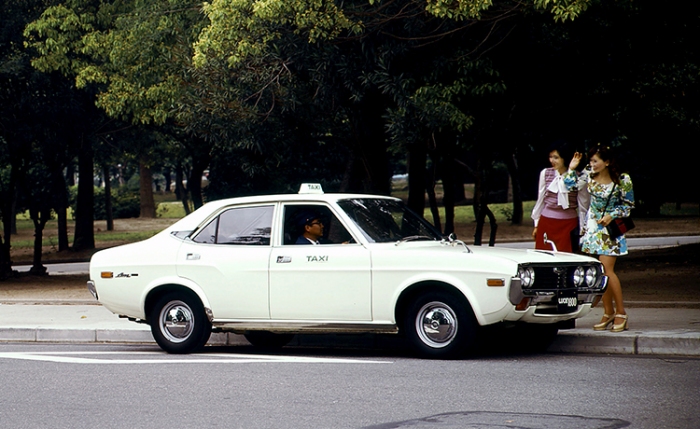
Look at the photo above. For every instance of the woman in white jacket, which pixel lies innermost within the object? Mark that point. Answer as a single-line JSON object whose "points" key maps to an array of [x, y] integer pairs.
{"points": [[559, 212]]}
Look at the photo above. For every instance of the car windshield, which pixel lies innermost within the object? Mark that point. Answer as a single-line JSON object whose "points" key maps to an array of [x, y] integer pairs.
{"points": [[384, 221]]}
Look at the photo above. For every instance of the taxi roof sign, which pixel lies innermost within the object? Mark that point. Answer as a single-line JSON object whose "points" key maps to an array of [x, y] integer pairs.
{"points": [[310, 188]]}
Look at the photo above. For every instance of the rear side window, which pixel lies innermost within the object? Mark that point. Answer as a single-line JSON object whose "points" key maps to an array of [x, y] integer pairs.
{"points": [[239, 226]]}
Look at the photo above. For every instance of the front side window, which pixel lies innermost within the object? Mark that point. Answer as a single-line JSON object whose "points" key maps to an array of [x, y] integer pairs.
{"points": [[307, 223], [384, 221], [239, 226]]}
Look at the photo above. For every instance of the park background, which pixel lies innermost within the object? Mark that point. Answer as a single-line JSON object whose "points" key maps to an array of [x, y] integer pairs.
{"points": [[460, 97]]}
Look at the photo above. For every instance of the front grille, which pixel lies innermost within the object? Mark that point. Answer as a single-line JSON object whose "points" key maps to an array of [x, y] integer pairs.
{"points": [[553, 290], [553, 278]]}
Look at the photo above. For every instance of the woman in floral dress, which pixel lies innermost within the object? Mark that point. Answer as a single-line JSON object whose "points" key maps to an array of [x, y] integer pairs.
{"points": [[607, 187]]}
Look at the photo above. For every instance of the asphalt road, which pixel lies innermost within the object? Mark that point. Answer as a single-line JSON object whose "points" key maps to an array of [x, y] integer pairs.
{"points": [[89, 386], [633, 243]]}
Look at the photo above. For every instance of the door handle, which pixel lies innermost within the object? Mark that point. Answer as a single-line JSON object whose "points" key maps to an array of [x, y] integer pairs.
{"points": [[193, 256]]}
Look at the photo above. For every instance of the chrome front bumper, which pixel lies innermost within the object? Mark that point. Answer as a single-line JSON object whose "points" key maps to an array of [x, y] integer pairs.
{"points": [[91, 287]]}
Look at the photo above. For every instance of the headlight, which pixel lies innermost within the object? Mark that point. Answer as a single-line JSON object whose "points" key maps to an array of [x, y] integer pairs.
{"points": [[591, 276], [579, 276], [527, 276]]}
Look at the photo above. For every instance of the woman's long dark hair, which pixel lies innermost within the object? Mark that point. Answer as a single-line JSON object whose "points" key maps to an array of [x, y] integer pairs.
{"points": [[564, 149], [605, 153]]}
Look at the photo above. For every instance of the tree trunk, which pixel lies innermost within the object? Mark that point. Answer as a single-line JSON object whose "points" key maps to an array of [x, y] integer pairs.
{"points": [[432, 200], [108, 198], [512, 164], [194, 183], [481, 209], [13, 219], [148, 205], [449, 192], [482, 212], [168, 181], [62, 218], [61, 211], [181, 191], [417, 158], [39, 218], [5, 260], [370, 166], [84, 216], [7, 211]]}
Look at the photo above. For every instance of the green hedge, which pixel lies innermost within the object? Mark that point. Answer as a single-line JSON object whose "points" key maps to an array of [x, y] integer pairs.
{"points": [[125, 203]]}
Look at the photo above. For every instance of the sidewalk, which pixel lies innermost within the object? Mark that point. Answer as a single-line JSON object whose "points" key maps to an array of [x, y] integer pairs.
{"points": [[653, 331], [663, 328]]}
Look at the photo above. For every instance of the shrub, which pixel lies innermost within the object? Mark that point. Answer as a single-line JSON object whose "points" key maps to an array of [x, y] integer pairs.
{"points": [[125, 203]]}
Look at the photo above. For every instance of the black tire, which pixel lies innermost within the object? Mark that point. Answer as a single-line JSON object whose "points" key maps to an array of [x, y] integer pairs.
{"points": [[179, 324], [268, 340], [441, 326]]}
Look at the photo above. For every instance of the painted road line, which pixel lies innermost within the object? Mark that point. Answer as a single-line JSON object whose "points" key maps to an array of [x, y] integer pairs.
{"points": [[130, 358]]}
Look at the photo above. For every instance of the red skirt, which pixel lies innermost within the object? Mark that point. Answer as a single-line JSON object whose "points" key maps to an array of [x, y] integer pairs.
{"points": [[563, 232]]}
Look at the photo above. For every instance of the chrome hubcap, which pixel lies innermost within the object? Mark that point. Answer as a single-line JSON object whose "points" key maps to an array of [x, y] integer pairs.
{"points": [[436, 324], [176, 321]]}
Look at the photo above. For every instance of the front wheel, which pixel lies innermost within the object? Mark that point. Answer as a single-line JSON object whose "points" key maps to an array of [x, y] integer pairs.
{"points": [[178, 323], [439, 325]]}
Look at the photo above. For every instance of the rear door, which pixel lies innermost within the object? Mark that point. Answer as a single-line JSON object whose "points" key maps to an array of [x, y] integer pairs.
{"points": [[229, 259]]}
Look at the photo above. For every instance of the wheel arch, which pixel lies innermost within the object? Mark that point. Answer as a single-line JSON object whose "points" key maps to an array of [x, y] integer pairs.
{"points": [[414, 291], [157, 292]]}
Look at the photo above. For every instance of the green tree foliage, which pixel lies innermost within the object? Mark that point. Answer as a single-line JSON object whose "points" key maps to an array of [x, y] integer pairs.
{"points": [[268, 93], [135, 50], [134, 53], [35, 110]]}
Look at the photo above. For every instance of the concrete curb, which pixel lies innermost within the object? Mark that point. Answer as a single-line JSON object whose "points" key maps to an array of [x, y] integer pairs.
{"points": [[665, 331], [671, 343], [662, 343]]}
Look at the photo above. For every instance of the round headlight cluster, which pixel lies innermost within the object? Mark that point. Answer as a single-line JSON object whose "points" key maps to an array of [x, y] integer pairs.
{"points": [[527, 276], [582, 275]]}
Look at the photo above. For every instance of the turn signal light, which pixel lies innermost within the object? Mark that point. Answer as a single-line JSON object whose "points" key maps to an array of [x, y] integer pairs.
{"points": [[495, 282], [522, 305], [107, 274]]}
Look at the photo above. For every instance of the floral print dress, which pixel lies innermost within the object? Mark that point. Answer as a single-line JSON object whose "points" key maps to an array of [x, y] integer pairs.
{"points": [[594, 238]]}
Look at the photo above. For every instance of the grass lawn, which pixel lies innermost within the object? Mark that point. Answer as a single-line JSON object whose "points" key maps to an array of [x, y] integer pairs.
{"points": [[168, 211]]}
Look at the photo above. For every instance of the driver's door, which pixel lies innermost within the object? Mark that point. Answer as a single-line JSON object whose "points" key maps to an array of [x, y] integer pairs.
{"points": [[329, 282]]}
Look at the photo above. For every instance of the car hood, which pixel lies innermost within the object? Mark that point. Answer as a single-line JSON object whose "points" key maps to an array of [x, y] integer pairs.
{"points": [[530, 255], [494, 254]]}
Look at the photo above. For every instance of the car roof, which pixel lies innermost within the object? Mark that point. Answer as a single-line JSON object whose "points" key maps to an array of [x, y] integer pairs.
{"points": [[308, 197], [198, 216]]}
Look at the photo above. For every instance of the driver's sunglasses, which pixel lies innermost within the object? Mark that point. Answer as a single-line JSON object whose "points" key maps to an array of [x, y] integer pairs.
{"points": [[318, 222]]}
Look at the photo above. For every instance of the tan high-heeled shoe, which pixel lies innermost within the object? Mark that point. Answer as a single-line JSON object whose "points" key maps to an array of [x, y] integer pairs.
{"points": [[622, 326], [603, 325]]}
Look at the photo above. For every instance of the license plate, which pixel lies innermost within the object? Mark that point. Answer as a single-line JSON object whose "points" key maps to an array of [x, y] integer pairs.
{"points": [[567, 301]]}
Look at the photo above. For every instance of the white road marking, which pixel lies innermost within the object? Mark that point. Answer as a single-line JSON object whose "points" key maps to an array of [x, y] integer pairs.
{"points": [[162, 358]]}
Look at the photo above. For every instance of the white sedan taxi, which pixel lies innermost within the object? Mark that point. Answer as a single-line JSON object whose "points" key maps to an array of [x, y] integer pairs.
{"points": [[269, 267]]}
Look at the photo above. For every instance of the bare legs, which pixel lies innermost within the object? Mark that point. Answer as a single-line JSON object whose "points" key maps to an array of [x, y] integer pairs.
{"points": [[612, 299]]}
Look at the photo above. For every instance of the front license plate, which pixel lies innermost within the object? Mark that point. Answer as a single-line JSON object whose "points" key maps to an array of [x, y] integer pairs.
{"points": [[567, 301]]}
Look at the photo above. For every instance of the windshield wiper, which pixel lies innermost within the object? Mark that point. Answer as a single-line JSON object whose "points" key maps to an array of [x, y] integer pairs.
{"points": [[414, 238]]}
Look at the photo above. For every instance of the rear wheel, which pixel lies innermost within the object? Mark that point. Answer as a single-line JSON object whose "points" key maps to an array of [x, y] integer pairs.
{"points": [[178, 323], [268, 340], [439, 325]]}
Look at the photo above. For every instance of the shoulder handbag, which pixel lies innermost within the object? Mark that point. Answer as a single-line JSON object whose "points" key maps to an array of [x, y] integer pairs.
{"points": [[620, 225]]}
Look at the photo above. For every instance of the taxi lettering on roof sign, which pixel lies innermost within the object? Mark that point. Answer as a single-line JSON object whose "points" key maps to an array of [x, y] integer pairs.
{"points": [[310, 188], [272, 266]]}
